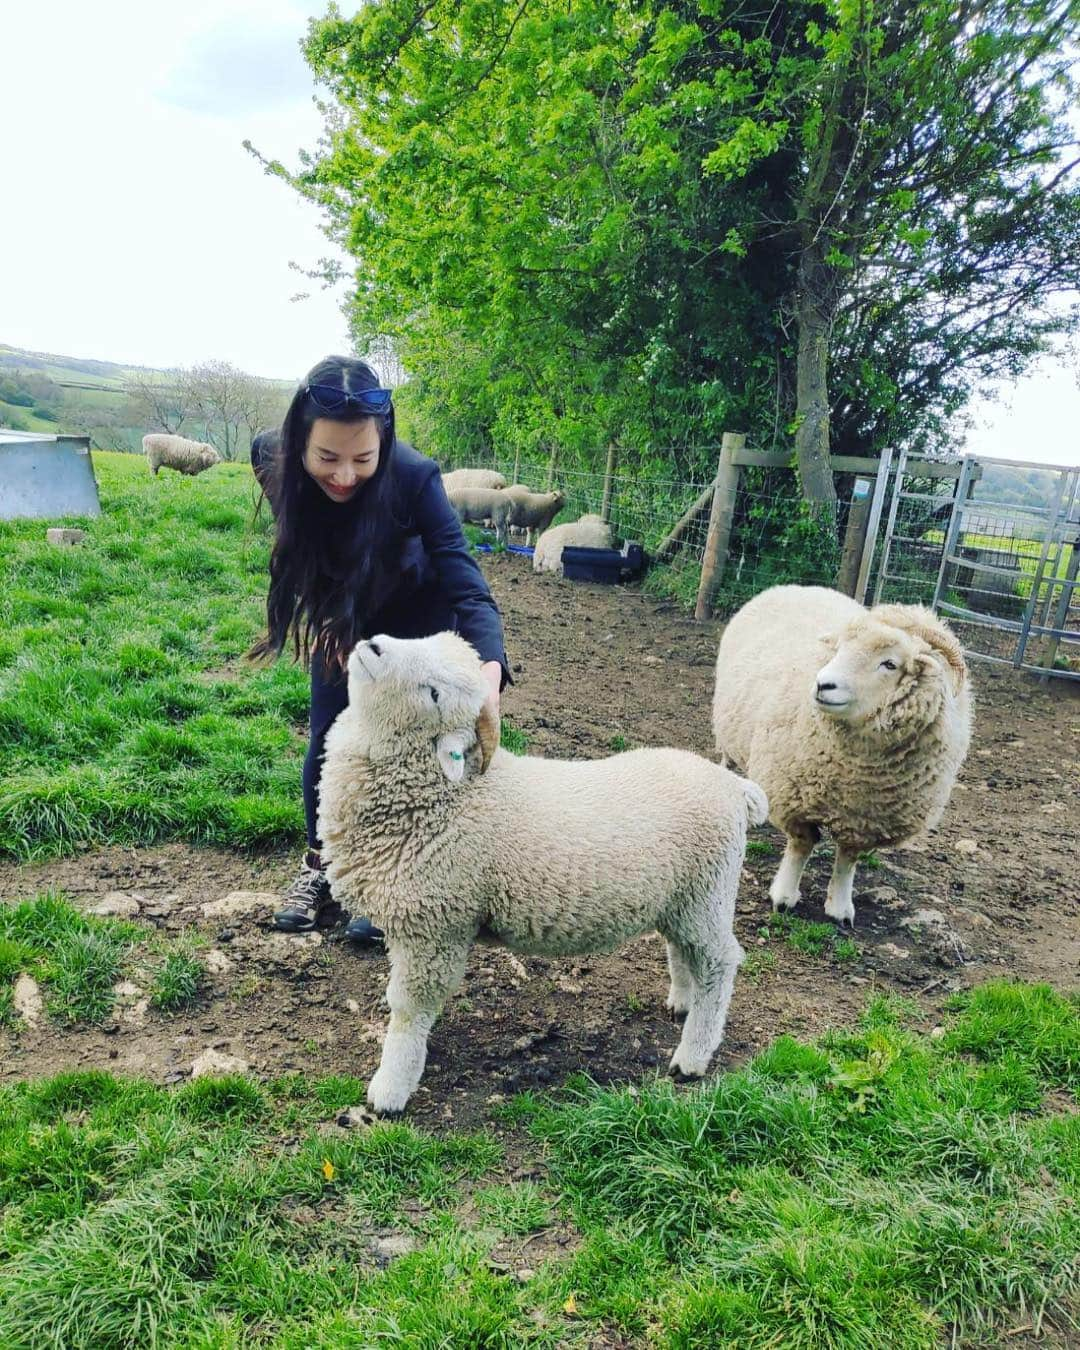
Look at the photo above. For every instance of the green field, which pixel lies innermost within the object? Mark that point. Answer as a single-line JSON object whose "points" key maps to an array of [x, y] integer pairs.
{"points": [[877, 1188], [127, 710]]}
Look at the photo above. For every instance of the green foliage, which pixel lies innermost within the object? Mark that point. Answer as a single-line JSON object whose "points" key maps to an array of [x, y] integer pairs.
{"points": [[129, 714], [579, 221]]}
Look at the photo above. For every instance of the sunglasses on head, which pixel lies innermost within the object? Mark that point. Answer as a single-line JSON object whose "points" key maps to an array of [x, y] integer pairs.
{"points": [[332, 401]]}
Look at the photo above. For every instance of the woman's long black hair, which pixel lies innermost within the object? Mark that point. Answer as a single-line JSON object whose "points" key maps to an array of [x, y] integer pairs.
{"points": [[331, 560]]}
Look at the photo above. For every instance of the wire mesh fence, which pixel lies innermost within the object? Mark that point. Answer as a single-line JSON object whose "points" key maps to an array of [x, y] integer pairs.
{"points": [[772, 537]]}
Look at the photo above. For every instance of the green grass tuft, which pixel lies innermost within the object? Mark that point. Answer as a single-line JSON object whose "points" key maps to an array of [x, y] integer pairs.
{"points": [[176, 984], [513, 739], [77, 956]]}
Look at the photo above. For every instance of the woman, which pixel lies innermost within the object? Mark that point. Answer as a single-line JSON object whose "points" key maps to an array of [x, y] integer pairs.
{"points": [[366, 542]]}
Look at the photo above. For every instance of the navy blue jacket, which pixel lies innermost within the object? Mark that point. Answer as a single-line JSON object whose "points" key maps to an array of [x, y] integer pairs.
{"points": [[437, 583]]}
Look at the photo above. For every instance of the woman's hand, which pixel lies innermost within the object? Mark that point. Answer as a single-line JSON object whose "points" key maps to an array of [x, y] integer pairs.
{"points": [[493, 674]]}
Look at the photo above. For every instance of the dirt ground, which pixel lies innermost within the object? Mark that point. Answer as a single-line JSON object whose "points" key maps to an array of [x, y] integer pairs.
{"points": [[995, 891]]}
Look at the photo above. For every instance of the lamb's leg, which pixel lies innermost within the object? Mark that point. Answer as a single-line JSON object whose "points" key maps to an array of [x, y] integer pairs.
{"points": [[681, 993], [421, 980], [784, 891], [714, 978], [839, 905]]}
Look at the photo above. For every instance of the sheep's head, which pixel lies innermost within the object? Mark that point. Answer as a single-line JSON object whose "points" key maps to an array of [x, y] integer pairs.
{"points": [[893, 667], [209, 456], [423, 690]]}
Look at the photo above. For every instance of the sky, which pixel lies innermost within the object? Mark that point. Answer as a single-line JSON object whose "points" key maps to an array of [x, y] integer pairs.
{"points": [[137, 229]]}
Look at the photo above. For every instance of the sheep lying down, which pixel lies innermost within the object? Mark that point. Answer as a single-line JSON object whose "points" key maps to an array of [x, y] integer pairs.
{"points": [[442, 837]]}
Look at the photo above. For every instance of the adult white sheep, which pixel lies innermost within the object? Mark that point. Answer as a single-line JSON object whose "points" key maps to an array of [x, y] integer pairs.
{"points": [[470, 478], [444, 838], [480, 505], [177, 452], [586, 532], [854, 721], [532, 510]]}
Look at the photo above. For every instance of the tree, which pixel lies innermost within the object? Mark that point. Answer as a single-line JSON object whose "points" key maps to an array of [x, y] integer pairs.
{"points": [[162, 401], [220, 394], [584, 220]]}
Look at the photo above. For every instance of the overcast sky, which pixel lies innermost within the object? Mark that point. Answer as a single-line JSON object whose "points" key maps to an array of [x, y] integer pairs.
{"points": [[137, 229]]}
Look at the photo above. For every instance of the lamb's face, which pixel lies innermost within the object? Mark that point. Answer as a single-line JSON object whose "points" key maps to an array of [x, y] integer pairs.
{"points": [[209, 457], [415, 687], [875, 670]]}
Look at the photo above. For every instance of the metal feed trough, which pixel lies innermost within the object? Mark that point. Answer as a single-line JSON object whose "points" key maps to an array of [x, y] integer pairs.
{"points": [[46, 477]]}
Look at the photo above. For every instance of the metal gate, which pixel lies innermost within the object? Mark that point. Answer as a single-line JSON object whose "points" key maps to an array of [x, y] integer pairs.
{"points": [[996, 552]]}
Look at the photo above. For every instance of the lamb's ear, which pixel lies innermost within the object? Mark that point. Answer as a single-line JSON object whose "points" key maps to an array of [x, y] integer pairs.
{"points": [[450, 750], [923, 623], [487, 734]]}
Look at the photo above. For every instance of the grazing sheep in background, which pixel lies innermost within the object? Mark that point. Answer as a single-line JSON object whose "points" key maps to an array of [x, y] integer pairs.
{"points": [[177, 452], [480, 505], [854, 721], [533, 510], [472, 478], [587, 532], [442, 837]]}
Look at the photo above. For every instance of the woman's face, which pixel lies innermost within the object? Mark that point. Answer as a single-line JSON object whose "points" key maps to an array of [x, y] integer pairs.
{"points": [[342, 456]]}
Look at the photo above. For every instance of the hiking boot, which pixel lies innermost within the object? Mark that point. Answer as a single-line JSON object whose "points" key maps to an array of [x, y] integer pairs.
{"points": [[306, 900], [363, 932]]}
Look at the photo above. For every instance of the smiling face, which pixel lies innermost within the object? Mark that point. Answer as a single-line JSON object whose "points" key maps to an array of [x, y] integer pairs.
{"points": [[342, 456]]}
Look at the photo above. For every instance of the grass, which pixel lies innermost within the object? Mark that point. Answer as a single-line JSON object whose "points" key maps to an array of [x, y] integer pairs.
{"points": [[873, 1188], [812, 939], [127, 712], [76, 957], [176, 984], [512, 738]]}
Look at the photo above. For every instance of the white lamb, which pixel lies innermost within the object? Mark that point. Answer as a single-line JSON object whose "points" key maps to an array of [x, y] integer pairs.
{"points": [[470, 478], [177, 452], [854, 721], [442, 837], [587, 532]]}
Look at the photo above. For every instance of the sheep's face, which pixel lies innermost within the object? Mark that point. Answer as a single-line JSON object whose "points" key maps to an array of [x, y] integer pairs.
{"points": [[209, 457], [874, 672], [417, 690]]}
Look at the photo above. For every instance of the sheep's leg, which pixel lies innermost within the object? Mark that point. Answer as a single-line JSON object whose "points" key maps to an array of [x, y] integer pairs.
{"points": [[784, 891], [714, 976], [681, 993], [421, 980], [839, 904]]}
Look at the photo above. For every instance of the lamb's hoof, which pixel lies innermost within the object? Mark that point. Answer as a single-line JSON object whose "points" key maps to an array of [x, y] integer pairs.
{"points": [[387, 1100], [677, 1009], [685, 1075]]}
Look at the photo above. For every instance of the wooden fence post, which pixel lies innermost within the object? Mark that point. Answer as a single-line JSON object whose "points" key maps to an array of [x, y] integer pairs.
{"points": [[854, 538], [517, 465], [721, 515], [609, 474]]}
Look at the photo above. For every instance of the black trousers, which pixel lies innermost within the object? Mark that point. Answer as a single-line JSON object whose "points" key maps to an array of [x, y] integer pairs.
{"points": [[328, 698]]}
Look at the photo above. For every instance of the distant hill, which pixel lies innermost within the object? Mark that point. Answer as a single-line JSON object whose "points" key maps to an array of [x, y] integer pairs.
{"points": [[83, 396]]}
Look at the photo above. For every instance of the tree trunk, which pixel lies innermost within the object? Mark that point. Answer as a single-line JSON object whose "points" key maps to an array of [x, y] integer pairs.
{"points": [[816, 288]]}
